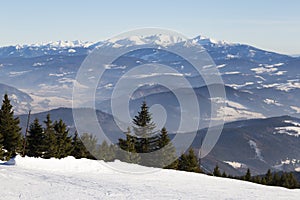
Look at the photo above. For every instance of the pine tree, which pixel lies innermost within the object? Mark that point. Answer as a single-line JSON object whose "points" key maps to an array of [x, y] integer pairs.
{"points": [[144, 129], [50, 138], [268, 177], [63, 140], [36, 146], [275, 180], [189, 162], [90, 142], [147, 139], [143, 121], [79, 150], [224, 174], [217, 171], [284, 181], [248, 175], [128, 152], [106, 152], [293, 183], [167, 155], [263, 181], [10, 129], [193, 163], [256, 179]]}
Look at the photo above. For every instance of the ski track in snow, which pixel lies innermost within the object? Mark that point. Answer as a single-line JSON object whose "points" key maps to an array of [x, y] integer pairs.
{"points": [[74, 179]]}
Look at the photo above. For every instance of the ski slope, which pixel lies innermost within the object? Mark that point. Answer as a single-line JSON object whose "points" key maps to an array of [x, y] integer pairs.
{"points": [[35, 178]]}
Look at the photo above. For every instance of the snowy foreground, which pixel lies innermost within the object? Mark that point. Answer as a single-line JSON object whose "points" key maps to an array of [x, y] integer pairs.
{"points": [[33, 178]]}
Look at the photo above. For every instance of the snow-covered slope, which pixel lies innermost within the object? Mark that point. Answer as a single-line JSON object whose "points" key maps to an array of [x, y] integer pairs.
{"points": [[33, 178]]}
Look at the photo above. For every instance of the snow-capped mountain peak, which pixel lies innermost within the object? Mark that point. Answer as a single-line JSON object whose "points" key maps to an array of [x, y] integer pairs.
{"points": [[202, 40], [158, 39], [59, 44]]}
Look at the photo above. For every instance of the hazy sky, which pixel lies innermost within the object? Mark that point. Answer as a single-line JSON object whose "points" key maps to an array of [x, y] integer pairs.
{"points": [[268, 24]]}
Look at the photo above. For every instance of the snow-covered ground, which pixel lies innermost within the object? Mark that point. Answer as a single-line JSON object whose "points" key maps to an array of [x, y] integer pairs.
{"points": [[33, 178]]}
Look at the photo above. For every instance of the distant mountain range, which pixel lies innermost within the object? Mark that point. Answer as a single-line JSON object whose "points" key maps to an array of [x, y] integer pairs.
{"points": [[46, 72]]}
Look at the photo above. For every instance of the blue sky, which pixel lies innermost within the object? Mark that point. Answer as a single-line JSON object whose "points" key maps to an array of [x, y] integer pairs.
{"points": [[268, 24]]}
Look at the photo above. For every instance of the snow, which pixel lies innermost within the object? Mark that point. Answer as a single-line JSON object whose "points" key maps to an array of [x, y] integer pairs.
{"points": [[286, 87], [158, 39], [19, 73], [203, 40], [230, 56], [233, 111], [35, 178], [297, 109], [292, 122], [58, 44], [232, 73], [261, 70], [38, 64], [254, 146], [236, 165], [142, 76], [72, 51], [235, 105], [271, 101], [233, 114], [275, 65], [42, 103], [293, 162], [289, 161], [288, 130], [236, 86], [271, 85], [280, 73], [290, 85], [108, 86], [221, 66]]}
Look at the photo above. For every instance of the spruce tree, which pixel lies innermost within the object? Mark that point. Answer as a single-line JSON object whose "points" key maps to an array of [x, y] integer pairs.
{"points": [[217, 171], [293, 183], [143, 122], [147, 138], [256, 179], [248, 175], [275, 180], [36, 146], [284, 181], [127, 152], [63, 140], [106, 152], [224, 174], [167, 155], [263, 181], [268, 177], [189, 162], [79, 150], [50, 138], [10, 129], [90, 142]]}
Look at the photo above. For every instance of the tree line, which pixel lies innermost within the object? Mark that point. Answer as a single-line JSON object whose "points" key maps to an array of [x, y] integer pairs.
{"points": [[283, 179], [142, 144]]}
